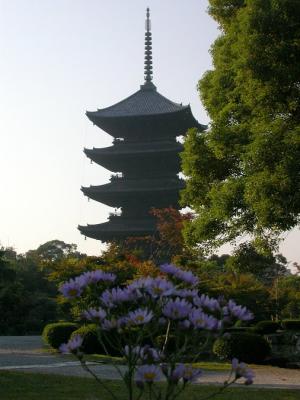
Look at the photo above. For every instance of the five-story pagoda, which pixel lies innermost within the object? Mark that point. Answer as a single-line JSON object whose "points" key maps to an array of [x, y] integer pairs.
{"points": [[144, 152]]}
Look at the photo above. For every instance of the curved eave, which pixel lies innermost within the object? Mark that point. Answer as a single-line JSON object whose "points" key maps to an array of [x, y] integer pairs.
{"points": [[97, 116], [115, 189], [108, 231], [114, 196], [115, 125], [128, 150]]}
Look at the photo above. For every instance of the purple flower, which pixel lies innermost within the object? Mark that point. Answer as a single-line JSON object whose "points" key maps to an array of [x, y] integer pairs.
{"points": [[139, 317], [111, 298], [150, 354], [94, 314], [170, 269], [200, 320], [185, 372], [207, 302], [72, 346], [137, 284], [187, 277], [238, 311], [133, 351], [158, 287], [71, 289], [108, 325], [92, 277], [148, 373], [177, 309], [145, 353], [242, 371]]}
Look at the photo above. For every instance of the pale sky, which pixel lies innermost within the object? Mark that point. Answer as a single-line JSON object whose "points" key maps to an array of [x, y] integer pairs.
{"points": [[60, 58]]}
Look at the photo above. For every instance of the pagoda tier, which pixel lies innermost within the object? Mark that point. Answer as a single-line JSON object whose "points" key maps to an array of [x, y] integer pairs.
{"points": [[145, 151], [154, 158], [120, 228], [146, 115], [121, 192]]}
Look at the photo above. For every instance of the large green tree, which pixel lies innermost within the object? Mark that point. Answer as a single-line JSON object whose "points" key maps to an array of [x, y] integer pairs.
{"points": [[243, 173]]}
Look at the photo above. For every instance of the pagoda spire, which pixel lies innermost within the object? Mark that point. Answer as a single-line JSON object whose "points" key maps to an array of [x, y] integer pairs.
{"points": [[148, 49]]}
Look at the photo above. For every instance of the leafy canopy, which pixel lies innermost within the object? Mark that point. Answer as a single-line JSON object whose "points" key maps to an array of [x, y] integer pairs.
{"points": [[243, 174]]}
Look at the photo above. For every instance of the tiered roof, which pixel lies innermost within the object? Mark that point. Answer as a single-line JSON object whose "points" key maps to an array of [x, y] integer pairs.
{"points": [[145, 150]]}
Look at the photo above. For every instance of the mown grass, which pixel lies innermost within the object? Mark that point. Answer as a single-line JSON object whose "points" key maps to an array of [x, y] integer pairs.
{"points": [[29, 386]]}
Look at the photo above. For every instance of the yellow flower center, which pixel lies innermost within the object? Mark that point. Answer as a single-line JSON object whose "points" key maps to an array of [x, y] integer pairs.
{"points": [[149, 376], [73, 292]]}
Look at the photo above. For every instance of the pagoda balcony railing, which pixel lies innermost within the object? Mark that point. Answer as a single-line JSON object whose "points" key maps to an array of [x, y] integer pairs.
{"points": [[116, 176]]}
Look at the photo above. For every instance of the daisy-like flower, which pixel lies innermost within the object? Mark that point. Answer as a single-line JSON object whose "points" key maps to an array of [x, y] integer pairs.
{"points": [[242, 371], [159, 287], [187, 277], [108, 325], [200, 320], [71, 289], [207, 302], [145, 353], [94, 314], [170, 269], [185, 372], [177, 309], [148, 373], [139, 317], [72, 346], [137, 284], [238, 311], [96, 276], [111, 298]]}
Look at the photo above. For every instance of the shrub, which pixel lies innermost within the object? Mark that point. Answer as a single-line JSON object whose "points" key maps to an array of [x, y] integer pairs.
{"points": [[57, 333], [267, 327], [90, 344], [240, 329], [248, 347], [291, 324]]}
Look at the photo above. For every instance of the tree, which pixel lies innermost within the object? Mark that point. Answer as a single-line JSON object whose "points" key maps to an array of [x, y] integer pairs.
{"points": [[243, 175], [55, 250], [265, 267]]}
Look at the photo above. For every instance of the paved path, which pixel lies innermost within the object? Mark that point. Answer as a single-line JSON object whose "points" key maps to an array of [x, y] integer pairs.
{"points": [[27, 353]]}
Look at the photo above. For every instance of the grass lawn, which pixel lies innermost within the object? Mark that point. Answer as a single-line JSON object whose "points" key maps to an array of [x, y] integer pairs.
{"points": [[29, 386]]}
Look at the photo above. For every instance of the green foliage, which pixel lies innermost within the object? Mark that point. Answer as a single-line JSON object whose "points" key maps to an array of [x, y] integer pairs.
{"points": [[267, 327], [58, 333], [249, 347], [244, 172], [291, 324], [285, 297], [264, 266], [55, 250]]}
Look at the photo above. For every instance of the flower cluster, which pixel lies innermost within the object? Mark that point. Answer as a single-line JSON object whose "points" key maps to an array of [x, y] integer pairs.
{"points": [[74, 287], [131, 318], [242, 371]]}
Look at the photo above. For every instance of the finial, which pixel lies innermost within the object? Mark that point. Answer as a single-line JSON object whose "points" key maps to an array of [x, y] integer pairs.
{"points": [[148, 49]]}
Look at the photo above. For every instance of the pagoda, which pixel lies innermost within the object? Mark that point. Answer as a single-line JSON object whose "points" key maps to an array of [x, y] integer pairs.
{"points": [[144, 157]]}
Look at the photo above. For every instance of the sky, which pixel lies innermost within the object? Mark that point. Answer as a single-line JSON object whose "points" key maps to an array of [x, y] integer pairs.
{"points": [[60, 58]]}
